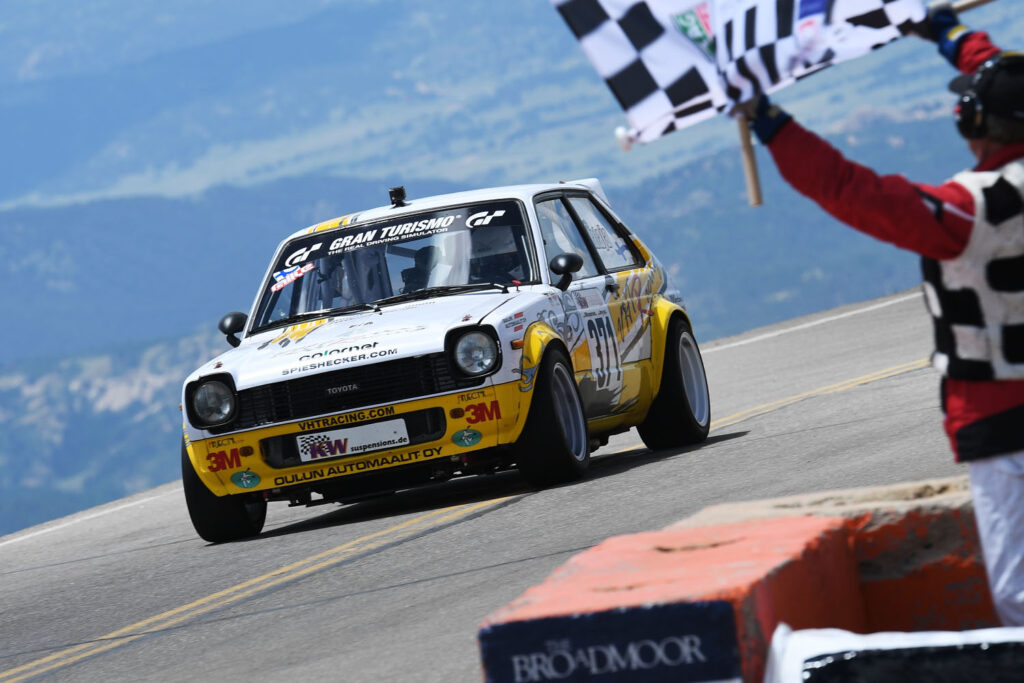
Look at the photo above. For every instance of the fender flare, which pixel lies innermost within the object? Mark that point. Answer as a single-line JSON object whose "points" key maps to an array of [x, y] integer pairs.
{"points": [[209, 479], [663, 312], [539, 337]]}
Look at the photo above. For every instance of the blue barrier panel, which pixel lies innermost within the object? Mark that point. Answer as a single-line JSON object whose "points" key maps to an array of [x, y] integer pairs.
{"points": [[679, 642]]}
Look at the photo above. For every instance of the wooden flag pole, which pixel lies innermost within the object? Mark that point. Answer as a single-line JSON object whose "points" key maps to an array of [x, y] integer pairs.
{"points": [[749, 163], [964, 5], [747, 147]]}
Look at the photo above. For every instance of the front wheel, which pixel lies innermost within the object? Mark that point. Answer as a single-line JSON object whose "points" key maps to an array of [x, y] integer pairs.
{"points": [[554, 446], [681, 413], [219, 519]]}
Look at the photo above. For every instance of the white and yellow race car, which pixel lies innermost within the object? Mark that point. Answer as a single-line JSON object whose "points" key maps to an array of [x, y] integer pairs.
{"points": [[452, 335]]}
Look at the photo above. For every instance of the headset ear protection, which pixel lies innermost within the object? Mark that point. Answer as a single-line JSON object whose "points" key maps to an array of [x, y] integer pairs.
{"points": [[970, 111]]}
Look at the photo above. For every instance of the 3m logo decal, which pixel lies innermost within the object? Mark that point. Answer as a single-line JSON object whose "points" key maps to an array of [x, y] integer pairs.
{"points": [[228, 460], [482, 412]]}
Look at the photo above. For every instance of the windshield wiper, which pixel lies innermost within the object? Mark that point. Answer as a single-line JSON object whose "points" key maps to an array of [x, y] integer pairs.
{"points": [[443, 290], [323, 312]]}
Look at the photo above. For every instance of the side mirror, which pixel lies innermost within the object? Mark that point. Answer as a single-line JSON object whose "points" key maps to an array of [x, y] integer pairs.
{"points": [[231, 324], [565, 265]]}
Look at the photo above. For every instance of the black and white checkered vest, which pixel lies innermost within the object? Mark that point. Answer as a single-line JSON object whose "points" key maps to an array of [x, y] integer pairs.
{"points": [[977, 299]]}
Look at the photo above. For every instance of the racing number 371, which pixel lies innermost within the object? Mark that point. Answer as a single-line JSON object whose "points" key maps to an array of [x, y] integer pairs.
{"points": [[602, 336]]}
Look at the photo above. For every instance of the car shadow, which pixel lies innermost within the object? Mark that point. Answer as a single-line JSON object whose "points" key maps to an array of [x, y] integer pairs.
{"points": [[474, 489], [615, 463], [458, 491]]}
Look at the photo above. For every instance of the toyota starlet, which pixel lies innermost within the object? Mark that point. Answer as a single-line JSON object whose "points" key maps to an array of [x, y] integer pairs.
{"points": [[453, 335]]}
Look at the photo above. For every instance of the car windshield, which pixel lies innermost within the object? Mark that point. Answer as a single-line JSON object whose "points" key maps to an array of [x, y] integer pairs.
{"points": [[354, 267]]}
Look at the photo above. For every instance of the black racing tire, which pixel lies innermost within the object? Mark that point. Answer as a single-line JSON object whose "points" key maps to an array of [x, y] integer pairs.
{"points": [[219, 519], [681, 412], [554, 446]]}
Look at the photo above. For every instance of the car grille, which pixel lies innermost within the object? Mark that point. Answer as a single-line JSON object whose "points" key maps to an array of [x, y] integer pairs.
{"points": [[420, 425], [387, 382]]}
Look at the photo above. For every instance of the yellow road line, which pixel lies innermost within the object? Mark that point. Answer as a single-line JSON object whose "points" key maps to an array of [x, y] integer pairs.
{"points": [[243, 590], [820, 391]]}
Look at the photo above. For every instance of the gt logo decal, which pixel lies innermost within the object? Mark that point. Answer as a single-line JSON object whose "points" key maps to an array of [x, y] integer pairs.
{"points": [[481, 412], [301, 255], [223, 460], [483, 218]]}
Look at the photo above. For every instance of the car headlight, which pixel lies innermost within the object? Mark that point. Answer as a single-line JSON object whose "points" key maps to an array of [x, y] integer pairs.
{"points": [[213, 402], [476, 353]]}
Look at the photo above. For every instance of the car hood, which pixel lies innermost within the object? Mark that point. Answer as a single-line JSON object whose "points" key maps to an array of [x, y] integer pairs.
{"points": [[401, 330]]}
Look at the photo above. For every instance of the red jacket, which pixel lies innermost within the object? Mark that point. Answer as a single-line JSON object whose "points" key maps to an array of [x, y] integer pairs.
{"points": [[934, 221]]}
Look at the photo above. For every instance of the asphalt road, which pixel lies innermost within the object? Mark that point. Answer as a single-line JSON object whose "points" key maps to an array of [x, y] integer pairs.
{"points": [[394, 589]]}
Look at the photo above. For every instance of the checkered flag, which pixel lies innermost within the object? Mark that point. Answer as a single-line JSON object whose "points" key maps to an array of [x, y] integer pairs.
{"points": [[674, 63], [765, 45], [656, 56]]}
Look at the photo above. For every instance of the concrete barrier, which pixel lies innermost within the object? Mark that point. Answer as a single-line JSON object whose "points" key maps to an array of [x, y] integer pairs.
{"points": [[699, 601], [694, 604], [916, 546]]}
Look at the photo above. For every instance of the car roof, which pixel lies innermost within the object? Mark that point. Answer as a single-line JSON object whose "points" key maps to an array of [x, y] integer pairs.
{"points": [[525, 193]]}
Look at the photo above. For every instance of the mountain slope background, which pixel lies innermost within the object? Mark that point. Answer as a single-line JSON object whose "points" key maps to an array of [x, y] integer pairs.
{"points": [[157, 155]]}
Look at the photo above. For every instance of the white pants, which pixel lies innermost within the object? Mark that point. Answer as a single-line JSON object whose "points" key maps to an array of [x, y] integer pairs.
{"points": [[997, 487]]}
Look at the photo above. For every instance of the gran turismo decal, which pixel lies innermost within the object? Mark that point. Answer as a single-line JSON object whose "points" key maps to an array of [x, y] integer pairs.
{"points": [[245, 480], [466, 438], [391, 233], [331, 362], [359, 466], [301, 255], [353, 240], [294, 333]]}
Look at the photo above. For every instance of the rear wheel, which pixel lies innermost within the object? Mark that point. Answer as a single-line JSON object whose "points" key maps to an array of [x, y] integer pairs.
{"points": [[681, 412], [219, 519], [554, 446]]}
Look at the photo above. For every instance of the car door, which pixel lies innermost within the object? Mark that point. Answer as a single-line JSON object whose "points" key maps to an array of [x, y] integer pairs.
{"points": [[627, 293], [628, 281], [588, 325]]}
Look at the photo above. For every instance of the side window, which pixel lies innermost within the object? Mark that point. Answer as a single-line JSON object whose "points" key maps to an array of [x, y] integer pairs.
{"points": [[561, 236], [612, 248]]}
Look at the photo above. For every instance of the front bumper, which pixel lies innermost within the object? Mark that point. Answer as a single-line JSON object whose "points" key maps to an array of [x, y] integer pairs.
{"points": [[439, 428]]}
